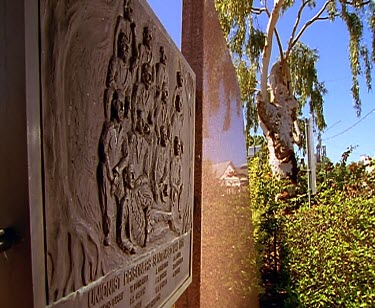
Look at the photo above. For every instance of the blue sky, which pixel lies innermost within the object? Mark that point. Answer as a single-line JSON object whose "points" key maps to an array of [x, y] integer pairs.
{"points": [[331, 40]]}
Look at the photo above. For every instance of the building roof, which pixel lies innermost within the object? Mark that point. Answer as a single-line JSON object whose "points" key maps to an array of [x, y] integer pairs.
{"points": [[219, 168], [242, 171]]}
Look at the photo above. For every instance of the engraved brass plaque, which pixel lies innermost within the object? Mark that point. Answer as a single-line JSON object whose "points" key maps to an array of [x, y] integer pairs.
{"points": [[118, 144]]}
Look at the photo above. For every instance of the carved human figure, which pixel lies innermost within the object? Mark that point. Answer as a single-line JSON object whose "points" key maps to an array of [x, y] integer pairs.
{"points": [[161, 110], [140, 145], [133, 214], [143, 98], [128, 10], [138, 223], [161, 73], [123, 211], [113, 151], [161, 93], [178, 105], [161, 169], [176, 177], [127, 23], [119, 77], [145, 51]]}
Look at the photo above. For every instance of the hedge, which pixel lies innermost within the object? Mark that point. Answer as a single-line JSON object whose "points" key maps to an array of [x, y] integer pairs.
{"points": [[328, 255]]}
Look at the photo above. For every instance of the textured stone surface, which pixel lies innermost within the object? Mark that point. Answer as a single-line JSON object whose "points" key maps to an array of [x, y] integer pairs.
{"points": [[222, 231]]}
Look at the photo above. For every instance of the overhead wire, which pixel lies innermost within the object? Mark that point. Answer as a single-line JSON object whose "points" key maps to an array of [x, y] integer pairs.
{"points": [[350, 127]]}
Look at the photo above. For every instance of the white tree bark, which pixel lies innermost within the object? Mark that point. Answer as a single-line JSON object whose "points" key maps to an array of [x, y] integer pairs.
{"points": [[267, 50], [278, 120], [277, 110]]}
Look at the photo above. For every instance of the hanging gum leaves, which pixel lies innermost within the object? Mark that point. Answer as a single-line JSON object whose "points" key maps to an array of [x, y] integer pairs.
{"points": [[246, 40], [355, 29], [307, 87], [247, 82], [234, 18], [371, 21]]}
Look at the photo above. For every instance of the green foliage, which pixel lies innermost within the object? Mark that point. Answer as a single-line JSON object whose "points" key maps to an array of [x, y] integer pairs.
{"points": [[329, 255], [323, 256], [255, 140], [246, 35], [358, 51], [264, 189], [336, 183], [307, 87]]}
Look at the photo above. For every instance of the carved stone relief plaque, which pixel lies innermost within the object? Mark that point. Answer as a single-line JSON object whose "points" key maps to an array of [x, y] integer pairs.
{"points": [[118, 144]]}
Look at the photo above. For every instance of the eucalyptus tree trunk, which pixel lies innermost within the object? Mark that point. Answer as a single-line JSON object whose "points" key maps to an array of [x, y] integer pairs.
{"points": [[277, 112], [277, 109]]}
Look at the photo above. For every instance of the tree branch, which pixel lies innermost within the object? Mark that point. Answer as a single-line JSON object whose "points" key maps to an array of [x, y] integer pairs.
{"points": [[258, 11], [307, 24], [327, 17], [280, 45], [298, 19], [266, 55]]}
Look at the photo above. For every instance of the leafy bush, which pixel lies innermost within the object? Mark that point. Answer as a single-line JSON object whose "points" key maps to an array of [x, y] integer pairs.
{"points": [[265, 210], [339, 182], [329, 255], [323, 256]]}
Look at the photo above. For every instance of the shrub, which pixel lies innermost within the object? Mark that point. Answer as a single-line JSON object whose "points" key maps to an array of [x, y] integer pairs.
{"points": [[329, 255]]}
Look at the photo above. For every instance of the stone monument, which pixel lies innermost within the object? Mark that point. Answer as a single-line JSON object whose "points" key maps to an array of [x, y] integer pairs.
{"points": [[104, 157], [223, 259]]}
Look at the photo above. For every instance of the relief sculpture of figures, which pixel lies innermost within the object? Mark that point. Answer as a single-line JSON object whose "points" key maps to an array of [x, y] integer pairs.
{"points": [[133, 213], [117, 120], [140, 174], [123, 221], [161, 73]]}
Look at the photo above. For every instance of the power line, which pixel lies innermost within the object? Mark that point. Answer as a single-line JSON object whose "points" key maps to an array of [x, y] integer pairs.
{"points": [[349, 128], [332, 126]]}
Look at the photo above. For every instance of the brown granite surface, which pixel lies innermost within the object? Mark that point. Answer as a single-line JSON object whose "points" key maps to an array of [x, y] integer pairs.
{"points": [[222, 272]]}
